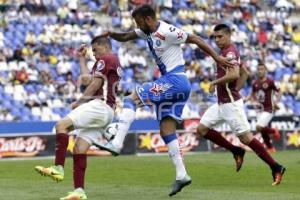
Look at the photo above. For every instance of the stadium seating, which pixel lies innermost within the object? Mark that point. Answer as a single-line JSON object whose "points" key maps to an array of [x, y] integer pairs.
{"points": [[41, 36]]}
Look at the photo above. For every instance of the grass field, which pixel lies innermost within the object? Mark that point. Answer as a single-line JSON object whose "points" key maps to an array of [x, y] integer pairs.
{"points": [[149, 178]]}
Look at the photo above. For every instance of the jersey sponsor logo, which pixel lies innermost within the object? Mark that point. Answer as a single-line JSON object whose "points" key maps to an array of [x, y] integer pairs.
{"points": [[159, 88], [180, 35], [100, 65]]}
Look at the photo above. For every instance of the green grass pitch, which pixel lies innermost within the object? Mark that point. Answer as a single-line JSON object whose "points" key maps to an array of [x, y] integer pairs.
{"points": [[150, 177]]}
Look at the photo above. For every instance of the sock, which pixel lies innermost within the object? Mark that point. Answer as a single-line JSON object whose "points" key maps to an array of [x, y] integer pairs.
{"points": [[175, 155], [126, 118], [79, 166], [267, 139], [218, 139], [62, 141], [268, 130], [259, 149]]}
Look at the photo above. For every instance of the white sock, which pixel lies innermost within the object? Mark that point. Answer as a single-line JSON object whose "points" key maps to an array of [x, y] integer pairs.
{"points": [[126, 118], [175, 155]]}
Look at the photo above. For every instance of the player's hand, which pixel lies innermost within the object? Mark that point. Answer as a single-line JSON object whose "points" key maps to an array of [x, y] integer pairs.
{"points": [[74, 105], [224, 62], [212, 87], [81, 51]]}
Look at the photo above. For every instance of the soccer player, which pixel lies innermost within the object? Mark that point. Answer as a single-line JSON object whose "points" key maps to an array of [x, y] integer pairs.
{"points": [[262, 91], [230, 106], [90, 115], [169, 93]]}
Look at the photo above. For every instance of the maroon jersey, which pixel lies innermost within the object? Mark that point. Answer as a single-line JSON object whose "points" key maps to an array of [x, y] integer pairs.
{"points": [[227, 92], [263, 91], [108, 67]]}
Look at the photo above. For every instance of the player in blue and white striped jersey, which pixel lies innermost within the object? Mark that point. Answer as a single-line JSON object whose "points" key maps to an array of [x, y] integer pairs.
{"points": [[169, 93]]}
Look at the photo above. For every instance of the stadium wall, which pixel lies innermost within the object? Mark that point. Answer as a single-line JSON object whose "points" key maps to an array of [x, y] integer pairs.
{"points": [[24, 139]]}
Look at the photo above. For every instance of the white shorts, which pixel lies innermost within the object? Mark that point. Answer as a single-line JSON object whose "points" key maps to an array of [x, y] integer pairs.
{"points": [[231, 113], [91, 119], [264, 118]]}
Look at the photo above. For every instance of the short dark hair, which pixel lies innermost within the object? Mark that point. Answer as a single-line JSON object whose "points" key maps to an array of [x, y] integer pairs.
{"points": [[224, 27], [101, 40], [261, 63], [144, 11]]}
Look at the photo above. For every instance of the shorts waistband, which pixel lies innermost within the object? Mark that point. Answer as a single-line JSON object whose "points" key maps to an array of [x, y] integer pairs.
{"points": [[177, 69]]}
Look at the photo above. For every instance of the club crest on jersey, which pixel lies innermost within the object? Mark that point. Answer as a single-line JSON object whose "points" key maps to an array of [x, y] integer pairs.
{"points": [[265, 85], [100, 65], [159, 88]]}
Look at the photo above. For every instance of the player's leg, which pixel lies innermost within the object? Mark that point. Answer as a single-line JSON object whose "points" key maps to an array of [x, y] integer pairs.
{"points": [[266, 138], [239, 123], [263, 121], [277, 169], [210, 118], [79, 167], [168, 133], [126, 118], [56, 172]]}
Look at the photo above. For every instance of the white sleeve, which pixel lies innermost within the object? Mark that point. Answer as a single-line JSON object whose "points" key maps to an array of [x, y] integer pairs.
{"points": [[175, 35], [140, 33]]}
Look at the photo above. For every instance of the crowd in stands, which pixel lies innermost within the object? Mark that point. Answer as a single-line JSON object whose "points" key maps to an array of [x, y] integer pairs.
{"points": [[39, 71]]}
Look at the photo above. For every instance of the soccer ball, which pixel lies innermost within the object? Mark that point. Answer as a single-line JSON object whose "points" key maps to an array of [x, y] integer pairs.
{"points": [[111, 131]]}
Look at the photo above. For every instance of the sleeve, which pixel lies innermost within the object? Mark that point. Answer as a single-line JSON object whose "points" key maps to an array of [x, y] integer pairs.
{"points": [[274, 86], [253, 87], [100, 69], [175, 35], [140, 33], [233, 57]]}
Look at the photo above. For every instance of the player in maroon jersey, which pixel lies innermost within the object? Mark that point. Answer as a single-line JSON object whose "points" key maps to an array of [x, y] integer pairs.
{"points": [[90, 115], [262, 91], [230, 108]]}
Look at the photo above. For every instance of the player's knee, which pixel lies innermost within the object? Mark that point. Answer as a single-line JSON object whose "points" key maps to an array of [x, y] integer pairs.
{"points": [[246, 138], [61, 127], [202, 130], [77, 149], [167, 125]]}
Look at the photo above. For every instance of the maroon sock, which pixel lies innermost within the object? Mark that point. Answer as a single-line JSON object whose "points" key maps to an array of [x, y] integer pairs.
{"points": [[79, 166], [267, 139], [62, 141], [218, 139], [259, 149], [268, 130]]}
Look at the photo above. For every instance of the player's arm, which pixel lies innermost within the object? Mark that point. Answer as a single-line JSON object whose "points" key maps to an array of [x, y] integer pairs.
{"points": [[244, 74], [232, 74], [89, 92], [194, 39], [81, 53], [278, 95], [121, 37]]}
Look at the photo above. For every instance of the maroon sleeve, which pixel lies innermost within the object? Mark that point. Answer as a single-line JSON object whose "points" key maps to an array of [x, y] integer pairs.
{"points": [[253, 87]]}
